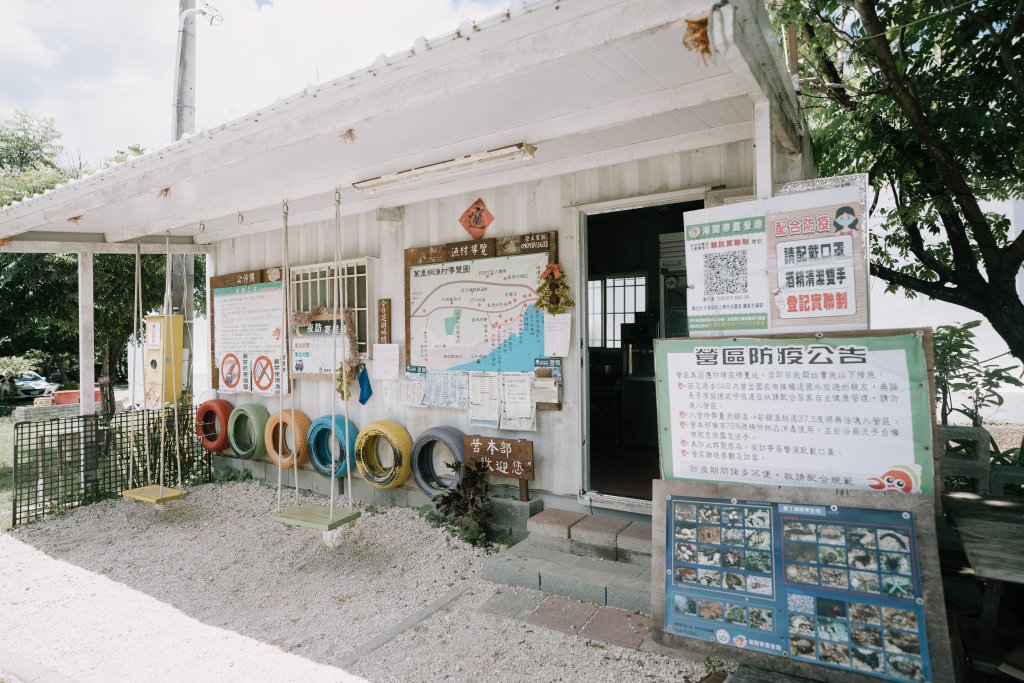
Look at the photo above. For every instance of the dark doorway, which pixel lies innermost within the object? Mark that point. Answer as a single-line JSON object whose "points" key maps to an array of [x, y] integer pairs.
{"points": [[635, 293]]}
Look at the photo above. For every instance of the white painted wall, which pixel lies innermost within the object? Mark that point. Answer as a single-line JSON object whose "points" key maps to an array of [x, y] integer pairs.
{"points": [[521, 208]]}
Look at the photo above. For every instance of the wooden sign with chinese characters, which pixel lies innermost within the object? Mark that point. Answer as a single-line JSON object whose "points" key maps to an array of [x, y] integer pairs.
{"points": [[461, 251], [383, 321], [503, 457]]}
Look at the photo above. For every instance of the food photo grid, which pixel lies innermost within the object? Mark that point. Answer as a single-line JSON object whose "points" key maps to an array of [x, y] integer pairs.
{"points": [[839, 587]]}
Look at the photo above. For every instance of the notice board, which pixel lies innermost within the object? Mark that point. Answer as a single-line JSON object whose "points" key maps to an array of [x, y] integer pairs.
{"points": [[802, 581], [247, 338], [781, 264], [826, 411], [470, 305]]}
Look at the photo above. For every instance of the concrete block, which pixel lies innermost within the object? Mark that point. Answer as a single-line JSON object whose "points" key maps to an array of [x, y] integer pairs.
{"points": [[601, 552], [257, 467], [631, 599], [572, 587], [509, 513], [513, 603], [618, 627], [562, 615], [631, 557], [1003, 476], [635, 538], [598, 530], [978, 437], [553, 522], [515, 571], [397, 497], [561, 545]]}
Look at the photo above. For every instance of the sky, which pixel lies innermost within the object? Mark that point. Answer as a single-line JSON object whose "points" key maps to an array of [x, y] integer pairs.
{"points": [[105, 70]]}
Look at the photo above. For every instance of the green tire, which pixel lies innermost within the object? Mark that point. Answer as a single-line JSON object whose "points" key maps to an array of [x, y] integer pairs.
{"points": [[245, 430]]}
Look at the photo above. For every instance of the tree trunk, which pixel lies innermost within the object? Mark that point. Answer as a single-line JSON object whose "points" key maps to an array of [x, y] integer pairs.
{"points": [[106, 380], [1006, 314]]}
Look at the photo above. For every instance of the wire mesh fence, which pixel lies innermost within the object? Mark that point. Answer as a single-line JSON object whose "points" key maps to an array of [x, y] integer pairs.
{"points": [[63, 463]]}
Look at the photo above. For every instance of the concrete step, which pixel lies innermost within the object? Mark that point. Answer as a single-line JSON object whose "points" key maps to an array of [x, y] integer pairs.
{"points": [[607, 538], [589, 579]]}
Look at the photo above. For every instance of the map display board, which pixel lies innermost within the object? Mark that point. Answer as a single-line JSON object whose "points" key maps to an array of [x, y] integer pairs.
{"points": [[783, 264], [247, 339], [837, 412], [476, 314], [836, 586]]}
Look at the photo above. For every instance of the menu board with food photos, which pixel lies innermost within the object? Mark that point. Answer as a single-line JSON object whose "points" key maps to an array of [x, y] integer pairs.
{"points": [[834, 586]]}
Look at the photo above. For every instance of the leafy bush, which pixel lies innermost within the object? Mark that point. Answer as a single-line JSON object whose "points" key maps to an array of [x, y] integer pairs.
{"points": [[957, 370], [229, 474], [464, 510]]}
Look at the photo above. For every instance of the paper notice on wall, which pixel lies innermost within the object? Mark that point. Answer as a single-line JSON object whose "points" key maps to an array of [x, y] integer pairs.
{"points": [[522, 424], [485, 399], [545, 390], [517, 394], [386, 364], [411, 392], [446, 389], [557, 334]]}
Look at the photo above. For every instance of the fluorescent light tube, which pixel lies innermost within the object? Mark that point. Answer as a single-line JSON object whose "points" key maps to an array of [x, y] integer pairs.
{"points": [[451, 167]]}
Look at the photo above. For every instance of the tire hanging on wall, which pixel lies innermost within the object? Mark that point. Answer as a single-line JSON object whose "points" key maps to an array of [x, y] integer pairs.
{"points": [[319, 438], [366, 454], [423, 471], [300, 428], [208, 416], [245, 430]]}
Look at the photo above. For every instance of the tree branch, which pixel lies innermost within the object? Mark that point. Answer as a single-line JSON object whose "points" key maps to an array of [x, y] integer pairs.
{"points": [[1003, 43], [947, 166], [935, 290]]}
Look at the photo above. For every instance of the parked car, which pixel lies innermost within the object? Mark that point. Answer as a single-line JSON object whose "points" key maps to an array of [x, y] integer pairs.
{"points": [[27, 384]]}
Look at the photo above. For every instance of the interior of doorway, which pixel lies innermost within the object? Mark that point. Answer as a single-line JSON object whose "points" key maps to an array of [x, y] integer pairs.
{"points": [[636, 292]]}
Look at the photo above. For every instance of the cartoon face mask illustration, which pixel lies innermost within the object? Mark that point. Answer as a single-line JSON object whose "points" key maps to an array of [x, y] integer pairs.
{"points": [[846, 220]]}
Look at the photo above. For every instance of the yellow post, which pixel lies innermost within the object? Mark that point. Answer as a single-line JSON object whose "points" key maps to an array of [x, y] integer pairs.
{"points": [[163, 378]]}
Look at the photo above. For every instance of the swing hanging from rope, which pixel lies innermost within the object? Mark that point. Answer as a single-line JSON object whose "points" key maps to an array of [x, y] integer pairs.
{"points": [[155, 494], [324, 518]]}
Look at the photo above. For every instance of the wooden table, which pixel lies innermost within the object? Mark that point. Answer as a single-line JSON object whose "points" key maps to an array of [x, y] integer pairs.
{"points": [[992, 533]]}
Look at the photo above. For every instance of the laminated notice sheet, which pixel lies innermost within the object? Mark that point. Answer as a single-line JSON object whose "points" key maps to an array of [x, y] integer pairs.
{"points": [[557, 334], [485, 399], [517, 394], [446, 389], [411, 391]]}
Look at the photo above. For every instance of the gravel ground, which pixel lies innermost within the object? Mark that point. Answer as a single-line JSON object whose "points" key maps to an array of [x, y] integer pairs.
{"points": [[1006, 434], [218, 557]]}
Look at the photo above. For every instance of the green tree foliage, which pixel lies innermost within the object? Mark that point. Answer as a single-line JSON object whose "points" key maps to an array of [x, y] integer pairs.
{"points": [[39, 292], [30, 157], [928, 97]]}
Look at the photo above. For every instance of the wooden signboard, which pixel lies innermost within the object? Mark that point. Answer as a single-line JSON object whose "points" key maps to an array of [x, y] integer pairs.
{"points": [[511, 458], [461, 251], [383, 321]]}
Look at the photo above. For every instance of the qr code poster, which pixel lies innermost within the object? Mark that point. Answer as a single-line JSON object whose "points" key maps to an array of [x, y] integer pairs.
{"points": [[727, 268], [785, 264]]}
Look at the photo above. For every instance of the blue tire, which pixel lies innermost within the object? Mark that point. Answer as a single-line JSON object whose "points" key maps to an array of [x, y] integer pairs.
{"points": [[318, 440]]}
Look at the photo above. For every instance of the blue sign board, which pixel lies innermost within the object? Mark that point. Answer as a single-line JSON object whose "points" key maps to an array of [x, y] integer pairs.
{"points": [[835, 586]]}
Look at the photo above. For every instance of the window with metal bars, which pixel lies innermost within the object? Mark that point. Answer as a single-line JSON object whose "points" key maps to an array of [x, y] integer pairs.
{"points": [[612, 301], [313, 295]]}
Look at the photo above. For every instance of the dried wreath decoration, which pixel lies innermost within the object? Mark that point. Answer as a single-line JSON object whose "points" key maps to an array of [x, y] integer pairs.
{"points": [[350, 368], [554, 294]]}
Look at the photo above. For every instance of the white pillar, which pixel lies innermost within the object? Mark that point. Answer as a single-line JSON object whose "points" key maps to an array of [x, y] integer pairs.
{"points": [[763, 148], [86, 337]]}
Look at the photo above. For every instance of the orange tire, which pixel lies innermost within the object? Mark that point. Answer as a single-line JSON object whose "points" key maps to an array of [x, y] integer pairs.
{"points": [[212, 424], [299, 423]]}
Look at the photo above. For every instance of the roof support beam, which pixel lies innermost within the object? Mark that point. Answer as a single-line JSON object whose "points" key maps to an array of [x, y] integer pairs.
{"points": [[17, 246], [704, 139]]}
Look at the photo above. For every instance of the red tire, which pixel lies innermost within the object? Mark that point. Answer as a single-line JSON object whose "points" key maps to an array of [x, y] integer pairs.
{"points": [[212, 424]]}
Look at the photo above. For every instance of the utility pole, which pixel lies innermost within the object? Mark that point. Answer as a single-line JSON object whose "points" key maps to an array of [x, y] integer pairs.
{"points": [[183, 120]]}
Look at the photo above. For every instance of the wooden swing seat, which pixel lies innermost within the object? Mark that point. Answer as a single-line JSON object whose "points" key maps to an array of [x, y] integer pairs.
{"points": [[316, 516], [154, 494]]}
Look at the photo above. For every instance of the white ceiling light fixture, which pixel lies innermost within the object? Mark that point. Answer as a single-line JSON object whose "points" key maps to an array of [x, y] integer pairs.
{"points": [[489, 159]]}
